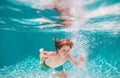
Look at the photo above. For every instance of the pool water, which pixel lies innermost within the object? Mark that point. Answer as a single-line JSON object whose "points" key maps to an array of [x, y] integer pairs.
{"points": [[21, 38]]}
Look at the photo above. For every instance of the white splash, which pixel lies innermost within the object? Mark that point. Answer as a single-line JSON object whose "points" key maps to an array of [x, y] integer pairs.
{"points": [[113, 9]]}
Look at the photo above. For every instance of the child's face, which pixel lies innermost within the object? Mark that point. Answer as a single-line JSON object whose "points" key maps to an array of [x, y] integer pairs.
{"points": [[64, 50]]}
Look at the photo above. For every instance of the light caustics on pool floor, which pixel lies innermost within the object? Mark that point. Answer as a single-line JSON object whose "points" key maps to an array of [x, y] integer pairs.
{"points": [[30, 68]]}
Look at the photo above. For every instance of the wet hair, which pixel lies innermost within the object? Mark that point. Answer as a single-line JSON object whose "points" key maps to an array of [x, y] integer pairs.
{"points": [[60, 43]]}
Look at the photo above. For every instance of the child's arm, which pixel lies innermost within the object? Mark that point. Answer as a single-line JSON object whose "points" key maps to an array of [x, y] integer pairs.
{"points": [[42, 51], [44, 54], [77, 63]]}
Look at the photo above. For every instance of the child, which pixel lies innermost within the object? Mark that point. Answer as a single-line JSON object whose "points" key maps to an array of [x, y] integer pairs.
{"points": [[56, 59]]}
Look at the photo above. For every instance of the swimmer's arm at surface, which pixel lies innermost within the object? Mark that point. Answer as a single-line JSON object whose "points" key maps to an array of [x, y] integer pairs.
{"points": [[44, 20], [78, 63], [51, 25]]}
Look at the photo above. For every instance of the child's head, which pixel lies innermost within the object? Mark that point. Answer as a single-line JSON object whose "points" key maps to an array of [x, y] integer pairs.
{"points": [[63, 46]]}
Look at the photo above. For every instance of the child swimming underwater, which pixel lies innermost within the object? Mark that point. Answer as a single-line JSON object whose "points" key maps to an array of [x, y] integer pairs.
{"points": [[56, 59]]}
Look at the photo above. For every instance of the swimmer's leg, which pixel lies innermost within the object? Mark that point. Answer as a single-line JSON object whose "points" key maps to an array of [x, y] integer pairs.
{"points": [[60, 74]]}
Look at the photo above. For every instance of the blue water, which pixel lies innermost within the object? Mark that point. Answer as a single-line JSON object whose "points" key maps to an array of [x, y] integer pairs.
{"points": [[21, 38]]}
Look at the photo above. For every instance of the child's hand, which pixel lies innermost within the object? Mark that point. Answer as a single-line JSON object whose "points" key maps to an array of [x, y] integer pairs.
{"points": [[43, 57], [41, 50], [82, 58]]}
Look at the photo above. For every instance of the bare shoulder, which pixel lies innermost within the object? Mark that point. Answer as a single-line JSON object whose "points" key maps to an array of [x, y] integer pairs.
{"points": [[52, 54], [49, 52], [45, 52]]}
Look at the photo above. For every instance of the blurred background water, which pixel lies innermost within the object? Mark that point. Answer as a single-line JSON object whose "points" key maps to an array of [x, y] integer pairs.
{"points": [[98, 38]]}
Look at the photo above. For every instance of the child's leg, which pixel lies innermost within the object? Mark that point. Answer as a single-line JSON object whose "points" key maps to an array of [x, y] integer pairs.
{"points": [[61, 74]]}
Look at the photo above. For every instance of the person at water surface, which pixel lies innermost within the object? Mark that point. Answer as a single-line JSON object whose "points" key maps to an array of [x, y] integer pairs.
{"points": [[63, 8], [59, 5], [56, 59]]}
